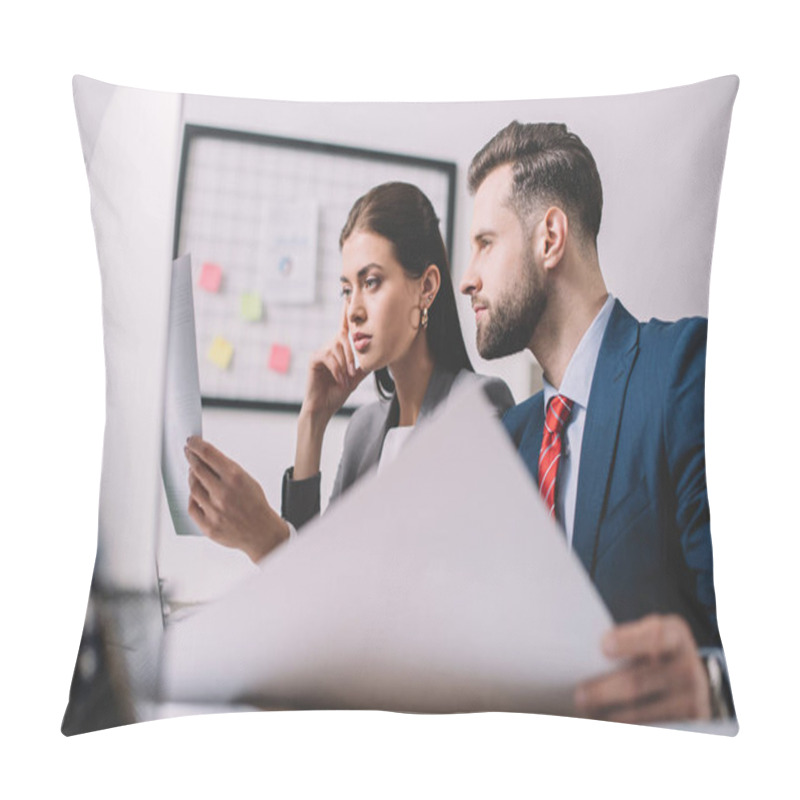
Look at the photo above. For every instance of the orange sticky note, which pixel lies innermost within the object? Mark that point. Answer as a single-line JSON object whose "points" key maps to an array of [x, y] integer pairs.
{"points": [[279, 358], [221, 352], [210, 277]]}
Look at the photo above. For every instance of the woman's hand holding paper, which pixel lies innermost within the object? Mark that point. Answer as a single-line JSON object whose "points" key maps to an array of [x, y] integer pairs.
{"points": [[229, 505]]}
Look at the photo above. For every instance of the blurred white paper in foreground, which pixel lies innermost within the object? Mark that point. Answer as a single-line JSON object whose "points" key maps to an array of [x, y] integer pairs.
{"points": [[443, 586]]}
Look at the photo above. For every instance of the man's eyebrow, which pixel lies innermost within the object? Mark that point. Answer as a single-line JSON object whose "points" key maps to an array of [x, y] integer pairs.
{"points": [[362, 272]]}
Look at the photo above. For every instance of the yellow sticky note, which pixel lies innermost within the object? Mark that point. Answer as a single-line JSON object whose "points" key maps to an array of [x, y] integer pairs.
{"points": [[221, 352], [250, 307]]}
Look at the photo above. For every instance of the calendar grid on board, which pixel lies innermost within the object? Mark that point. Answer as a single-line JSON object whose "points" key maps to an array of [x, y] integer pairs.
{"points": [[261, 218]]}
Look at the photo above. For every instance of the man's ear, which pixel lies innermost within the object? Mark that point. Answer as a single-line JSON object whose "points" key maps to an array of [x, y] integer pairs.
{"points": [[552, 237], [431, 281]]}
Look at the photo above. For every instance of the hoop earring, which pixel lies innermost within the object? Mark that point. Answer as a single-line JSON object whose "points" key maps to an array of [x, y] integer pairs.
{"points": [[423, 321]]}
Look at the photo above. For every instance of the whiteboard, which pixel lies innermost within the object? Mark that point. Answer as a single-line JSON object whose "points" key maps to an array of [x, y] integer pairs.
{"points": [[261, 216]]}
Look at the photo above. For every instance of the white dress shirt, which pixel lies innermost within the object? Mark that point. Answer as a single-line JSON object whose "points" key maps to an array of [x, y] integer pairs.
{"points": [[576, 385], [392, 445]]}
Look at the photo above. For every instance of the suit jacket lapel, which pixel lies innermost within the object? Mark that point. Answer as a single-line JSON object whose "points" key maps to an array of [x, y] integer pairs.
{"points": [[606, 399], [373, 444], [438, 388], [530, 442]]}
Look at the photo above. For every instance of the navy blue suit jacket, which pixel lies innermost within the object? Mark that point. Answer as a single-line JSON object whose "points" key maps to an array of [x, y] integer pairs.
{"points": [[641, 518]]}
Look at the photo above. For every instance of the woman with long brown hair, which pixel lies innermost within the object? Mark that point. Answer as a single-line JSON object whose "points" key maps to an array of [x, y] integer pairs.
{"points": [[400, 322]]}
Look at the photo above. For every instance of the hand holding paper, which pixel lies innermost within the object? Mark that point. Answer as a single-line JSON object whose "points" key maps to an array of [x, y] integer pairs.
{"points": [[441, 586], [663, 678], [229, 505]]}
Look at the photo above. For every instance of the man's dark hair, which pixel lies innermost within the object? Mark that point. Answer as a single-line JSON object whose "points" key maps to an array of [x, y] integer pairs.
{"points": [[550, 165]]}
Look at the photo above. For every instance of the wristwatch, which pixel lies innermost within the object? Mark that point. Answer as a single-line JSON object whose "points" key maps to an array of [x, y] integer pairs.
{"points": [[718, 686]]}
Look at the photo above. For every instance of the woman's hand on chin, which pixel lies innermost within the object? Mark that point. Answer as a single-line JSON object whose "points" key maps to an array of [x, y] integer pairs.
{"points": [[228, 504], [332, 377]]}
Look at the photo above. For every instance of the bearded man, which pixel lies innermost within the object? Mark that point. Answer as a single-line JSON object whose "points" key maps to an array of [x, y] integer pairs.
{"points": [[615, 440]]}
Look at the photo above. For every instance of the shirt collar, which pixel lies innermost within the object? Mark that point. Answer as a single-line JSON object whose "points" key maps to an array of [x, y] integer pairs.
{"points": [[577, 382]]}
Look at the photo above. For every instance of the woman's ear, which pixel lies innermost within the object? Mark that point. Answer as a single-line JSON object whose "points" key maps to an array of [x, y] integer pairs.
{"points": [[431, 281]]}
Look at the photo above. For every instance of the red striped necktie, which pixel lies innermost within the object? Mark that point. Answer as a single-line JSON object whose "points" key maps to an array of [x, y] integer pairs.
{"points": [[558, 411]]}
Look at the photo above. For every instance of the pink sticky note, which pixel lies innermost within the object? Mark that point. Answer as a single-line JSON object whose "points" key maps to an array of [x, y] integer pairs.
{"points": [[279, 358], [210, 277]]}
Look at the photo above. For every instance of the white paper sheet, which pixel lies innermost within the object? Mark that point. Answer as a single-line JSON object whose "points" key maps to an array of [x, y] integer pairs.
{"points": [[182, 410], [441, 586]]}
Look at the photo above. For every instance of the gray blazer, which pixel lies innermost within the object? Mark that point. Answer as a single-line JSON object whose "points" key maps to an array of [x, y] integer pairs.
{"points": [[363, 440]]}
